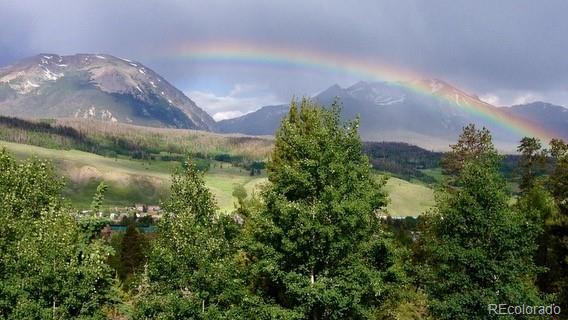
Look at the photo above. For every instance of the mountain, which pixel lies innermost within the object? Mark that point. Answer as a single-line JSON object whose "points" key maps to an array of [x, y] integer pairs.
{"points": [[264, 121], [97, 86], [431, 117], [546, 115]]}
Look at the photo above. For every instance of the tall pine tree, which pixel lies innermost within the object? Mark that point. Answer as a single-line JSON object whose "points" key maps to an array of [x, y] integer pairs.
{"points": [[557, 226], [478, 250]]}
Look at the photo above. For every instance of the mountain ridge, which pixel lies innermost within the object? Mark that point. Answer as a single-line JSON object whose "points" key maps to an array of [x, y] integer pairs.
{"points": [[391, 111], [114, 89], [98, 86]]}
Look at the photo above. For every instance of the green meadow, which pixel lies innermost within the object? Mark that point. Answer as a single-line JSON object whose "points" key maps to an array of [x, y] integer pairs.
{"points": [[408, 198], [130, 181], [147, 181]]}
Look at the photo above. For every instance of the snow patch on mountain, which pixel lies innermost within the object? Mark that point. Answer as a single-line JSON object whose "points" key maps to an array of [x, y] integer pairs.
{"points": [[32, 84], [435, 85], [50, 75]]}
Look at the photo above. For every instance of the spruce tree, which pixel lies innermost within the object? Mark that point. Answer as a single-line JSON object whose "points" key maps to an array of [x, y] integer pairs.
{"points": [[316, 248], [558, 224], [131, 251], [478, 250], [532, 161]]}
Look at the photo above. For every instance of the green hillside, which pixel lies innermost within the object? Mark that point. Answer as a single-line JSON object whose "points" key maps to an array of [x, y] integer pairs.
{"points": [[147, 181], [130, 181], [408, 199]]}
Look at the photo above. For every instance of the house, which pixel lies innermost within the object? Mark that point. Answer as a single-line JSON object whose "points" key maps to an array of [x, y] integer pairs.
{"points": [[154, 209], [140, 207]]}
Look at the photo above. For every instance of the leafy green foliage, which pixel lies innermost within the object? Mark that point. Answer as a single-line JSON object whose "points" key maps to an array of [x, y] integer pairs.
{"points": [[532, 161], [239, 192], [311, 245], [98, 198], [316, 248], [48, 268], [557, 225], [540, 202], [189, 273], [28, 187]]}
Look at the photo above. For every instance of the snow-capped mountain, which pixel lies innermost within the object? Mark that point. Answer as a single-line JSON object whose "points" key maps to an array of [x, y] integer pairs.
{"points": [[428, 113], [97, 86]]}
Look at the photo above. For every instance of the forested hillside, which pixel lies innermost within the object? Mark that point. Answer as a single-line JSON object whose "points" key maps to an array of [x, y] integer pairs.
{"points": [[112, 140]]}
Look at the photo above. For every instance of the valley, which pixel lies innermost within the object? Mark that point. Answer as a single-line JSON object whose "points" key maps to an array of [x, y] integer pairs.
{"points": [[134, 181], [103, 118]]}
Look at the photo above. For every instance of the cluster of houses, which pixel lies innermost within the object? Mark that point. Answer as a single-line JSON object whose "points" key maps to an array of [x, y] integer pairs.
{"points": [[139, 210]]}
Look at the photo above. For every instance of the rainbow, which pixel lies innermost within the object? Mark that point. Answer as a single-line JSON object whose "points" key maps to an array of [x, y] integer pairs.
{"points": [[274, 56]]}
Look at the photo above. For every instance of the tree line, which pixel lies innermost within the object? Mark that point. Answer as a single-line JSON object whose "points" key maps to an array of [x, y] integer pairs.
{"points": [[135, 143], [313, 244]]}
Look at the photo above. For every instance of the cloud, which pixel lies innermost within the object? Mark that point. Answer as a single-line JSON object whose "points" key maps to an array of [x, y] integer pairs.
{"points": [[227, 115], [527, 97], [491, 99], [516, 97], [481, 46], [242, 99]]}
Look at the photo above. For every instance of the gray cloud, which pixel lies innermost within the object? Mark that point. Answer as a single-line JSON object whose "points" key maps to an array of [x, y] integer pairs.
{"points": [[493, 48], [242, 99]]}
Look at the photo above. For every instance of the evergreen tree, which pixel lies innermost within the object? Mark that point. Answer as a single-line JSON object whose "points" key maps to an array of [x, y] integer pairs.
{"points": [[316, 248], [558, 224], [472, 144], [478, 250], [532, 161], [131, 251]]}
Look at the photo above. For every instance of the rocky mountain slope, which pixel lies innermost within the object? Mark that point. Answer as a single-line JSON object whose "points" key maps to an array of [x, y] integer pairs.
{"points": [[96, 86], [552, 117], [391, 111]]}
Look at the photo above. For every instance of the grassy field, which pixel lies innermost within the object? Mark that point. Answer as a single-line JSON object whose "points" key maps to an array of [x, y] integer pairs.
{"points": [[408, 199], [137, 181], [436, 174], [130, 181]]}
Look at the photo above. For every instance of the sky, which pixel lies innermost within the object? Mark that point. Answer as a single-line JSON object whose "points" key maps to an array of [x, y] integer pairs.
{"points": [[507, 51]]}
